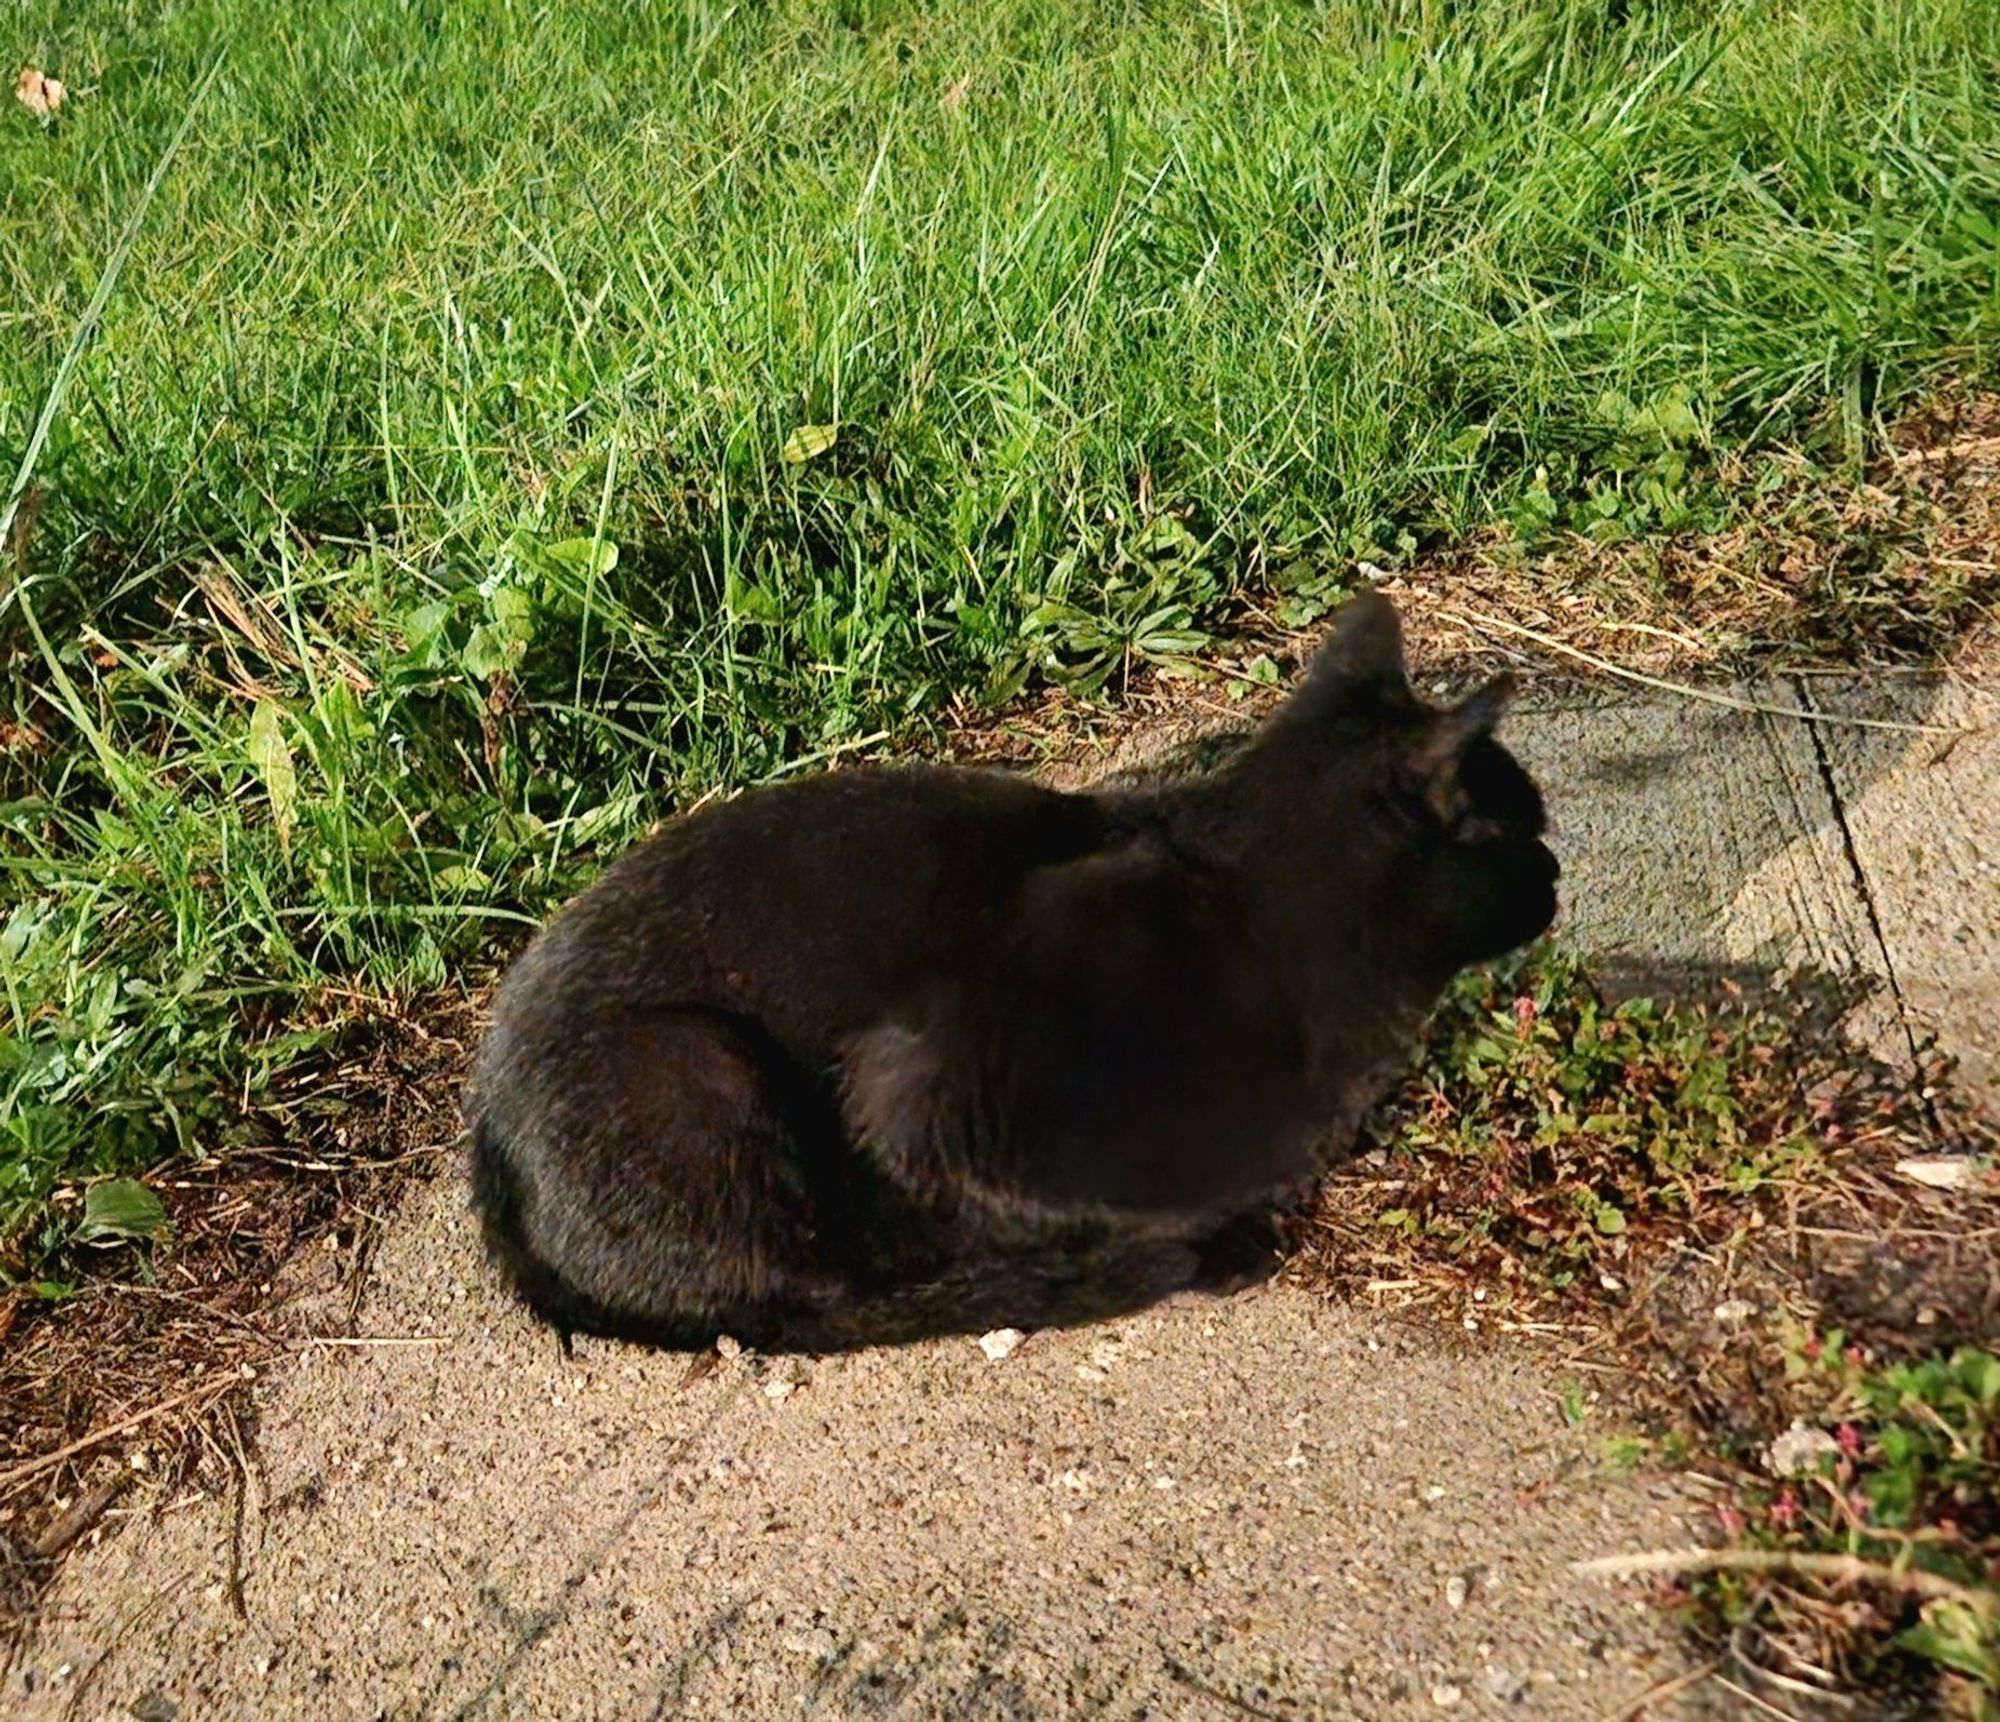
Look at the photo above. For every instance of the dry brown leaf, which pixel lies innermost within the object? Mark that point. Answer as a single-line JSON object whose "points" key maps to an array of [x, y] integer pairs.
{"points": [[40, 94], [954, 98]]}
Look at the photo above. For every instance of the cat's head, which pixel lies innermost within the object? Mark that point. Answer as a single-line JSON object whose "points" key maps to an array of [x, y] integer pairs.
{"points": [[1411, 814]]}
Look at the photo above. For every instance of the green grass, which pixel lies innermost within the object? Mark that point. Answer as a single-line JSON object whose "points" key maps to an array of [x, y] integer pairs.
{"points": [[512, 417]]}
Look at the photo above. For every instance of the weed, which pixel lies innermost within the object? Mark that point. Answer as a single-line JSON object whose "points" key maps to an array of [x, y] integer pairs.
{"points": [[1908, 1484], [1546, 1125], [1561, 1164]]}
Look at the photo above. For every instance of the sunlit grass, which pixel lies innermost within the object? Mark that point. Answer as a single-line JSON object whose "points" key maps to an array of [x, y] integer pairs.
{"points": [[540, 412]]}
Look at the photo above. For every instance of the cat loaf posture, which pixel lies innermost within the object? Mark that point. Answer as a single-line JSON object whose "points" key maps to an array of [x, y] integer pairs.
{"points": [[888, 1053]]}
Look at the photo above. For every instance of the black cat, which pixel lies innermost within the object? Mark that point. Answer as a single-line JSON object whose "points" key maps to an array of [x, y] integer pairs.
{"points": [[897, 1052]]}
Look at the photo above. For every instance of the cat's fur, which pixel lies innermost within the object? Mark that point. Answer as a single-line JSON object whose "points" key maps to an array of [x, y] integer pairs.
{"points": [[888, 1053]]}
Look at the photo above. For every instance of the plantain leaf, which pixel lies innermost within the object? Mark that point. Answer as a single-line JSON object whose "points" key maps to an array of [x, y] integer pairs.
{"points": [[120, 1208]]}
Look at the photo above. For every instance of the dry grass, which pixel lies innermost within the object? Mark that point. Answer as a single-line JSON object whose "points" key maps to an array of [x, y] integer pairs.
{"points": [[146, 1369], [1896, 569]]}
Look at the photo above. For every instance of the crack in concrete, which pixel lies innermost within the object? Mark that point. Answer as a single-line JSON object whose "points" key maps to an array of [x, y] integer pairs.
{"points": [[528, 1629], [1863, 888]]}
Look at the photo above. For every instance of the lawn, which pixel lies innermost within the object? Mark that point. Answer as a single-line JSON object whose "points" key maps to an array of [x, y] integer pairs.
{"points": [[511, 420]]}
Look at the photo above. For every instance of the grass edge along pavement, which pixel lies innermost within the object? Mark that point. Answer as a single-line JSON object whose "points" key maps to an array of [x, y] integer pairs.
{"points": [[423, 521]]}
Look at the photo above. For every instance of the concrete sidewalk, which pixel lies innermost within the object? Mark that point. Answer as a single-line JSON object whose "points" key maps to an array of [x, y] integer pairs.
{"points": [[1256, 1506]]}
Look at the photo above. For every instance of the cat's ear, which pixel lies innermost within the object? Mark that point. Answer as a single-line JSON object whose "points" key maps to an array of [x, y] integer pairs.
{"points": [[1436, 759], [1360, 666], [1478, 714]]}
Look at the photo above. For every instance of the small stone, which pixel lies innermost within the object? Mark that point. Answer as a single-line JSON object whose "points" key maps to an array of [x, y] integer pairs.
{"points": [[818, 1642], [156, 1706], [1436, 1492], [1798, 1451], [1456, 1590], [1505, 1686], [1941, 1171], [1444, 1695], [1735, 1312], [1077, 1482], [727, 1348], [1001, 1342], [784, 1377]]}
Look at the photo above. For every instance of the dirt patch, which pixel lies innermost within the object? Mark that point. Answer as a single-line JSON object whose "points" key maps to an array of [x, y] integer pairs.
{"points": [[154, 1356]]}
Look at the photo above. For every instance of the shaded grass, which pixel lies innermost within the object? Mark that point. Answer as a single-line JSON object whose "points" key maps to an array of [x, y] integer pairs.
{"points": [[513, 420]]}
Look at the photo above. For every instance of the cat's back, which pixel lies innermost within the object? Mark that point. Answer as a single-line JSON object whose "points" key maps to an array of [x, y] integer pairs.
{"points": [[827, 849], [811, 905]]}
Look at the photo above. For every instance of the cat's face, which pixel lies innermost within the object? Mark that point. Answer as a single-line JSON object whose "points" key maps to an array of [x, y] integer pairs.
{"points": [[1489, 883], [1420, 829]]}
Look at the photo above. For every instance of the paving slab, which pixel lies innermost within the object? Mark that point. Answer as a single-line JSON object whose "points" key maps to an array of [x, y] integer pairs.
{"points": [[1258, 1502], [1696, 835], [1922, 814], [1248, 1506]]}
